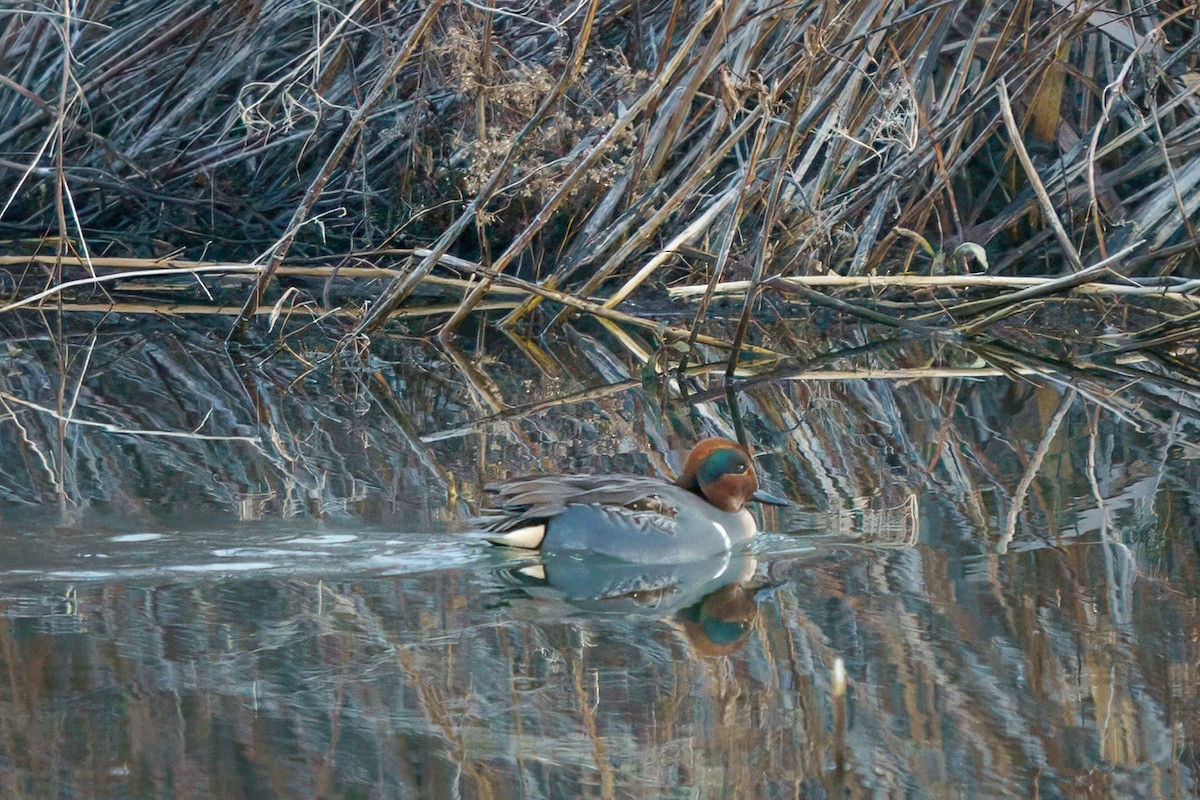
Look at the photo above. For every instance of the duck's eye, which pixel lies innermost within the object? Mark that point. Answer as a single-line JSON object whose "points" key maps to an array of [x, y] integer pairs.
{"points": [[739, 469]]}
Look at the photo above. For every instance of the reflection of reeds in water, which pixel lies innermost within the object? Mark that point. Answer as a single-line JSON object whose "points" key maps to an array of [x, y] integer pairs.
{"points": [[432, 424], [898, 526], [1026, 669]]}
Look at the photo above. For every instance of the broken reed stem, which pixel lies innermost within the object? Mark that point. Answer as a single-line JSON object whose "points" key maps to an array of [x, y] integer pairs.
{"points": [[1060, 233], [668, 333], [197, 310], [115, 276], [156, 267], [692, 231], [854, 310]]}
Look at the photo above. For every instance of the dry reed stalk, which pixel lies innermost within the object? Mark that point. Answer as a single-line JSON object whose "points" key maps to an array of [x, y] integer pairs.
{"points": [[1039, 190], [640, 237], [1183, 290], [866, 314], [669, 333], [59, 288], [311, 311], [1006, 304], [168, 267]]}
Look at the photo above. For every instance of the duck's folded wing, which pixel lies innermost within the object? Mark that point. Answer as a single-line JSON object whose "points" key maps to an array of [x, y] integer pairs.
{"points": [[524, 500]]}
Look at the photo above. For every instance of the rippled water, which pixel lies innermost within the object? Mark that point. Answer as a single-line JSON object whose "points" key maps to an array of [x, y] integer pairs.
{"points": [[1007, 575], [290, 661]]}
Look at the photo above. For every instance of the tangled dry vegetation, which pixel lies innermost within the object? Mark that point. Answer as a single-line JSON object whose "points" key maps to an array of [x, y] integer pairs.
{"points": [[447, 156]]}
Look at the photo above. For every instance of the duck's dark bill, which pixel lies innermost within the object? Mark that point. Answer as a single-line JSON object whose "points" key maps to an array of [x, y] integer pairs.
{"points": [[769, 499]]}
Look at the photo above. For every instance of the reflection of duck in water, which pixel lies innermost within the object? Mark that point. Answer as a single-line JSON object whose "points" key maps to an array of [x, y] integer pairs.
{"points": [[712, 599], [635, 518], [719, 624]]}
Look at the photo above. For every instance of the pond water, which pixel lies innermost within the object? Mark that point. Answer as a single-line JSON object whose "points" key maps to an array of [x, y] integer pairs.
{"points": [[1005, 567]]}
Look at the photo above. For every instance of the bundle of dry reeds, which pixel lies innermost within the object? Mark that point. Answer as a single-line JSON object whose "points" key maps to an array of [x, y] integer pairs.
{"points": [[583, 152]]}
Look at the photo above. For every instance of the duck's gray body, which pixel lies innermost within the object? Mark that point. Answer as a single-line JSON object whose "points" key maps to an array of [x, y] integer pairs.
{"points": [[629, 517]]}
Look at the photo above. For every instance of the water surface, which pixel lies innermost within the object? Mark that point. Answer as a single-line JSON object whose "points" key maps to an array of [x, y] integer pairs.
{"points": [[1005, 568]]}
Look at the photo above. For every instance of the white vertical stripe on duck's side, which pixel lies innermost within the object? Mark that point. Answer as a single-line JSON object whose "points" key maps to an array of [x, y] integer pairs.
{"points": [[724, 534]]}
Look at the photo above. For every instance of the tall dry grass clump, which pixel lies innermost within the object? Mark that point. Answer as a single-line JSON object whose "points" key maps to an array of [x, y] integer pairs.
{"points": [[589, 152]]}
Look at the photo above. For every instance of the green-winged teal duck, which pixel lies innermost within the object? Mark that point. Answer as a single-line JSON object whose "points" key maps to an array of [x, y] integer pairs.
{"points": [[632, 517]]}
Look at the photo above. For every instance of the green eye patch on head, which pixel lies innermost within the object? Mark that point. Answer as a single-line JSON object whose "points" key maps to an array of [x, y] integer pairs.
{"points": [[719, 463]]}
